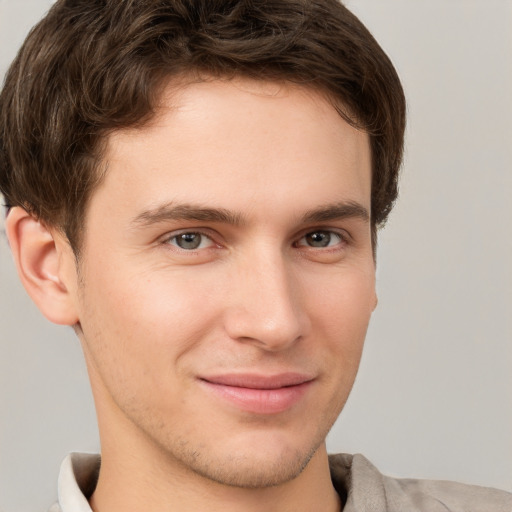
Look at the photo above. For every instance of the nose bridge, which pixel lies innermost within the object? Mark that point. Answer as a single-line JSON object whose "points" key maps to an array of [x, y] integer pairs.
{"points": [[266, 307]]}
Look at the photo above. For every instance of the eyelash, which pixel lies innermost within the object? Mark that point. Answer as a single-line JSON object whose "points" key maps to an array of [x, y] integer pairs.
{"points": [[183, 234], [342, 237]]}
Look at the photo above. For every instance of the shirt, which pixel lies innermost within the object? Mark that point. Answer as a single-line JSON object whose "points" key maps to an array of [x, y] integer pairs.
{"points": [[360, 485]]}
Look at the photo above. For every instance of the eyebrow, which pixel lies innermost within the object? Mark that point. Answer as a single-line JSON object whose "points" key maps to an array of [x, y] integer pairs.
{"points": [[337, 211], [171, 212]]}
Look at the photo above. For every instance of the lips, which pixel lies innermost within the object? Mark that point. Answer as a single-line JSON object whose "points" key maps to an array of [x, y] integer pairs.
{"points": [[259, 394]]}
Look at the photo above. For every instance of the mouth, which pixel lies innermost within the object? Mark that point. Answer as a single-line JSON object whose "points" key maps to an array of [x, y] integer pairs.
{"points": [[259, 394]]}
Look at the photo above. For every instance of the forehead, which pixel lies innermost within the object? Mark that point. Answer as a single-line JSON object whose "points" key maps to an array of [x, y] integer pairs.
{"points": [[233, 143]]}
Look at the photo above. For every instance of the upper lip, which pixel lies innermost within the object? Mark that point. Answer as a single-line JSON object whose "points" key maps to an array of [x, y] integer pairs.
{"points": [[257, 381]]}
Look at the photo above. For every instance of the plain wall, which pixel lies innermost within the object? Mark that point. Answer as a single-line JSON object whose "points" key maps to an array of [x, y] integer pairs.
{"points": [[433, 398]]}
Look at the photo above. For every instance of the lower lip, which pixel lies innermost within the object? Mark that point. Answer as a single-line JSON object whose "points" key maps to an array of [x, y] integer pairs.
{"points": [[260, 401]]}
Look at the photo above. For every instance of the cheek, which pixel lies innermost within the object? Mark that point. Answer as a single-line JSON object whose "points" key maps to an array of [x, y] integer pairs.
{"points": [[344, 301], [340, 316], [138, 326]]}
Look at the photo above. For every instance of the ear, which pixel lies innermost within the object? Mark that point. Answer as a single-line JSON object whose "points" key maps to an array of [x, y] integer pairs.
{"points": [[45, 264]]}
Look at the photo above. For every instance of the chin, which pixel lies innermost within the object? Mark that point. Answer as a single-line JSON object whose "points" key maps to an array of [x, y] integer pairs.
{"points": [[251, 461], [253, 471]]}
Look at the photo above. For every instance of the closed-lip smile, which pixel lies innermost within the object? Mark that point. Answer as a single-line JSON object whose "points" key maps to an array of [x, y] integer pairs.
{"points": [[259, 394]]}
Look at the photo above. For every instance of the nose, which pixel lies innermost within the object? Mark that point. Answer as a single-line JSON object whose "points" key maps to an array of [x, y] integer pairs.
{"points": [[266, 307]]}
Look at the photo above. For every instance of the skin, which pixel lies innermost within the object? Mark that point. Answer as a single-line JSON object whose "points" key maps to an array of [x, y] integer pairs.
{"points": [[260, 295]]}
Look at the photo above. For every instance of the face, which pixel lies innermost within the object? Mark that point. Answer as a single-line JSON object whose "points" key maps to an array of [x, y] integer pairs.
{"points": [[227, 279]]}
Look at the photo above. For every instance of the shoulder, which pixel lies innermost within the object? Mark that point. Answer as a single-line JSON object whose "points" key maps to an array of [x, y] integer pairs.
{"points": [[366, 489]]}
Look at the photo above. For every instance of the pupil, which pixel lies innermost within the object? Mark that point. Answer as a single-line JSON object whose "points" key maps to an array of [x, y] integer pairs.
{"points": [[319, 239], [189, 240]]}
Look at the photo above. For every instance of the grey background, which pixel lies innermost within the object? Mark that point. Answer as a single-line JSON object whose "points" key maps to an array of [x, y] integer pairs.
{"points": [[434, 394]]}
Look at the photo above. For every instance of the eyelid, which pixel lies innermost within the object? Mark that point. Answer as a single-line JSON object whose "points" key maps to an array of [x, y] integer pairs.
{"points": [[342, 233], [168, 237], [345, 237]]}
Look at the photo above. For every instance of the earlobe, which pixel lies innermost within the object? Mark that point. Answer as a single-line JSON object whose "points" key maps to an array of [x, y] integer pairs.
{"points": [[43, 263]]}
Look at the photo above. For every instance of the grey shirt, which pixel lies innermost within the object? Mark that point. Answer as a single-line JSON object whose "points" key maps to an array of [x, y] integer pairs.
{"points": [[360, 485]]}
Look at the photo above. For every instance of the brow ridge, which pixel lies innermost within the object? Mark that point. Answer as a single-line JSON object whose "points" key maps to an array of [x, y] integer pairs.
{"points": [[337, 211], [171, 211]]}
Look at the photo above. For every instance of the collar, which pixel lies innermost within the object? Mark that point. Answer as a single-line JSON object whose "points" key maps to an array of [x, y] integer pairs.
{"points": [[77, 481]]}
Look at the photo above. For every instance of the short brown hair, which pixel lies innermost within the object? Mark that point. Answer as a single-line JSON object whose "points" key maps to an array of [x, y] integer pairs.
{"points": [[94, 66]]}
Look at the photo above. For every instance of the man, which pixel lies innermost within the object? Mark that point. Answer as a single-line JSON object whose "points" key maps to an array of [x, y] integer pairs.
{"points": [[196, 189]]}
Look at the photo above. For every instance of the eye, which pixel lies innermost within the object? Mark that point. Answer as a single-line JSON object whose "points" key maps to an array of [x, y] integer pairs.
{"points": [[320, 239], [190, 241]]}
